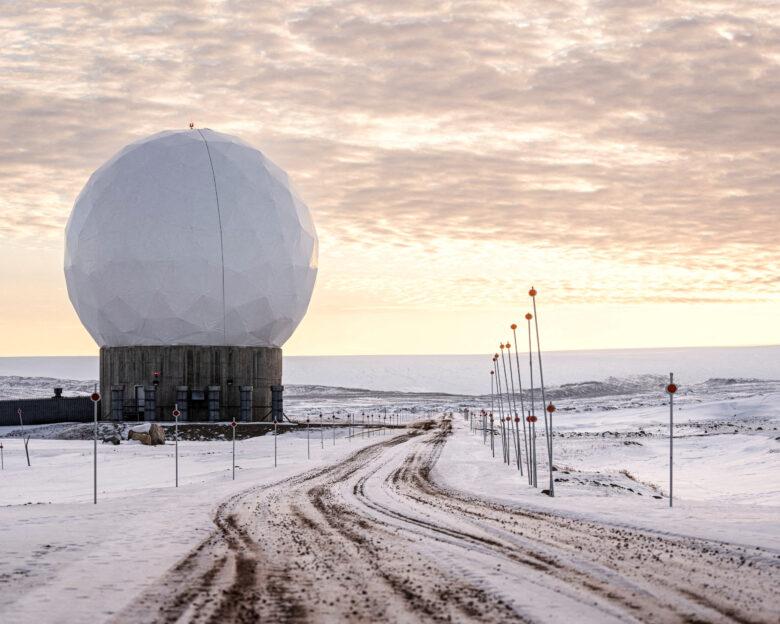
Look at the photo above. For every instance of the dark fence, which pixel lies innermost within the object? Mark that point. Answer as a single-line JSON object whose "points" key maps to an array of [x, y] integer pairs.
{"points": [[46, 411]]}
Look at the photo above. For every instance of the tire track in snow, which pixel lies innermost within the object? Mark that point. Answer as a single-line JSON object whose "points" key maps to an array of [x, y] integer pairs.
{"points": [[374, 537]]}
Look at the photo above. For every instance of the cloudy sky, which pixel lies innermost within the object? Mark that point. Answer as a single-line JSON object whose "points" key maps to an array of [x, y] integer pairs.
{"points": [[622, 156]]}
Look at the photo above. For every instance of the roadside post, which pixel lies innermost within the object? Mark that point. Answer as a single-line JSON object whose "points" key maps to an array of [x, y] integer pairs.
{"points": [[334, 429], [510, 403], [95, 398], [504, 439], [550, 410], [492, 442], [516, 435], [498, 385], [671, 389], [233, 425], [548, 431], [2, 462], [532, 434], [308, 443], [275, 421], [25, 438], [492, 384], [176, 414], [522, 405], [500, 404], [528, 318], [322, 435]]}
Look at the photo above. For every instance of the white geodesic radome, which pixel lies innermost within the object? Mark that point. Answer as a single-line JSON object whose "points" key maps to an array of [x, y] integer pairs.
{"points": [[190, 237]]}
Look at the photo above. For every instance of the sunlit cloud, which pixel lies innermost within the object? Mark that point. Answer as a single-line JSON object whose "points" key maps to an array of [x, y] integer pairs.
{"points": [[451, 152]]}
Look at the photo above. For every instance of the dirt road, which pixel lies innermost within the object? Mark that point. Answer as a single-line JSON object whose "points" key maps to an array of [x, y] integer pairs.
{"points": [[374, 538]]}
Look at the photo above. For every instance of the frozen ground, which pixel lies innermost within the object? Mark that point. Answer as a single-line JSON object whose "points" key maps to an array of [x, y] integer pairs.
{"points": [[63, 559]]}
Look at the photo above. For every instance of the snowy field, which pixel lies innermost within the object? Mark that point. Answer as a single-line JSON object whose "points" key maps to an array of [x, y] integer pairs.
{"points": [[58, 550], [726, 469]]}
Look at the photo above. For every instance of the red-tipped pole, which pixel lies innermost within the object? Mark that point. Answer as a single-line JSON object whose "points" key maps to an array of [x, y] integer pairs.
{"points": [[522, 406], [671, 389], [528, 318], [515, 438], [548, 430], [500, 400], [492, 441]]}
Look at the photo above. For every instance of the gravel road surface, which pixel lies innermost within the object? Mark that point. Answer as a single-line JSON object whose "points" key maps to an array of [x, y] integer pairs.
{"points": [[376, 539]]}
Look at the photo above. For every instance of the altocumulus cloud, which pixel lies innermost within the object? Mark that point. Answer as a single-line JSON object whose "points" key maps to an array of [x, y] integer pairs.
{"points": [[635, 140]]}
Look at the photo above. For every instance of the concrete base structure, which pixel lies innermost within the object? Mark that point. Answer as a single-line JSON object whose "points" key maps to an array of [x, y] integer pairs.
{"points": [[208, 383]]}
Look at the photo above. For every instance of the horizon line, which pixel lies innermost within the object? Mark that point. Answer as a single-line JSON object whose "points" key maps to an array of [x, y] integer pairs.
{"points": [[486, 353]]}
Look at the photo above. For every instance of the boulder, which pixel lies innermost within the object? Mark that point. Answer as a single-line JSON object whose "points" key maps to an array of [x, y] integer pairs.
{"points": [[157, 434], [143, 438], [149, 433], [111, 440]]}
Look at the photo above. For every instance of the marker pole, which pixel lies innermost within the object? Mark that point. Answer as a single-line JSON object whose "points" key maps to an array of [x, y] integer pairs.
{"points": [[25, 439], [322, 435], [2, 461], [94, 455], [531, 369], [498, 386], [484, 417], [498, 393], [522, 406], [671, 389], [514, 400], [492, 440], [547, 431], [512, 404], [95, 398], [500, 402], [176, 435], [308, 444], [233, 426], [504, 439], [536, 465], [334, 429], [275, 435]]}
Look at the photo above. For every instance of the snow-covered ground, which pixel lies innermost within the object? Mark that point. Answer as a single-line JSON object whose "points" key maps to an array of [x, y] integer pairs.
{"points": [[726, 484], [65, 559], [58, 550]]}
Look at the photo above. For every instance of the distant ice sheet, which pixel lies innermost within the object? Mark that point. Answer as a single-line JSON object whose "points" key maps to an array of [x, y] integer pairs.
{"points": [[469, 374]]}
